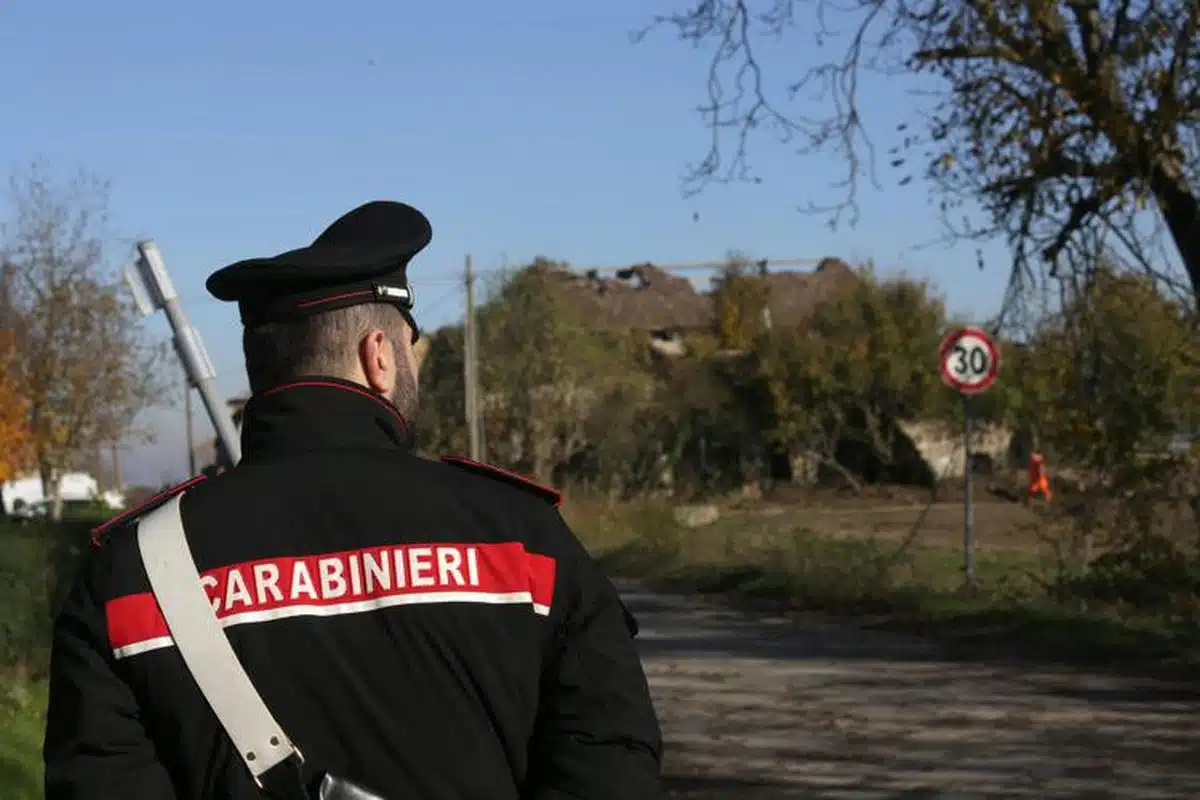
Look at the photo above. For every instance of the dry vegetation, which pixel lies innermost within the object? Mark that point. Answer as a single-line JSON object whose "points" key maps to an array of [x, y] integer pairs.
{"points": [[892, 564]]}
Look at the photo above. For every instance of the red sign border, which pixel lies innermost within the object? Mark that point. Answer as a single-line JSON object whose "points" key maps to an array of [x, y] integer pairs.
{"points": [[948, 345]]}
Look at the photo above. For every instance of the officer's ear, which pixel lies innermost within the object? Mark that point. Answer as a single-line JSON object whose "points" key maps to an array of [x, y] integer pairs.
{"points": [[377, 358]]}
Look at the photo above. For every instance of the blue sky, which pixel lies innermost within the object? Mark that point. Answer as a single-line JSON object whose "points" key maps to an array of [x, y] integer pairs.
{"points": [[233, 130]]}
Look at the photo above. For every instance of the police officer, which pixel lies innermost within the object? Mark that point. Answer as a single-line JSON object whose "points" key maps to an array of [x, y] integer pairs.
{"points": [[429, 629]]}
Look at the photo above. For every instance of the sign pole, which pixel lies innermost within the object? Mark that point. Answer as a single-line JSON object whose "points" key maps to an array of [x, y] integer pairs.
{"points": [[969, 362], [152, 289], [968, 511]]}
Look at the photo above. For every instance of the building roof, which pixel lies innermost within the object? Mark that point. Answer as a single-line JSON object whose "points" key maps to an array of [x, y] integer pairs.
{"points": [[794, 296], [643, 296], [646, 297]]}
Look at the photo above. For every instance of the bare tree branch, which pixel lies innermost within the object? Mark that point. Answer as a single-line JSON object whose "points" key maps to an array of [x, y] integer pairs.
{"points": [[1054, 121], [86, 366]]}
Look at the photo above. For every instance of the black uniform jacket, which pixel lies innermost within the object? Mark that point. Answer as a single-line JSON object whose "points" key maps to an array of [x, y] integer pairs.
{"points": [[431, 630]]}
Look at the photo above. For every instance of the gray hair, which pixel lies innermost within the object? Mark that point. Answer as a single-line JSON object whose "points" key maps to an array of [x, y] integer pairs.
{"points": [[322, 344]]}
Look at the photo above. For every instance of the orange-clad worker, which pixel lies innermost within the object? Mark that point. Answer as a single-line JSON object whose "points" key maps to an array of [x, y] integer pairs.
{"points": [[1039, 481]]}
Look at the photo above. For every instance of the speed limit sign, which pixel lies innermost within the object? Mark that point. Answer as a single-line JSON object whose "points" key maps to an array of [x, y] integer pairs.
{"points": [[969, 360]]}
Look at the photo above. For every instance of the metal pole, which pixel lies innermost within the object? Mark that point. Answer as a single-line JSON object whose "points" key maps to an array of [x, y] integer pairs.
{"points": [[204, 379], [480, 427], [470, 375], [191, 437], [191, 350], [118, 473], [968, 533], [766, 310]]}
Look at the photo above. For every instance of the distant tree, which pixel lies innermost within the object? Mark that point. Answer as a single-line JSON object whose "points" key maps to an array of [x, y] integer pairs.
{"points": [[1062, 118], [87, 366], [740, 299], [15, 435], [1116, 375], [858, 366], [544, 373], [1112, 384], [695, 431], [442, 426]]}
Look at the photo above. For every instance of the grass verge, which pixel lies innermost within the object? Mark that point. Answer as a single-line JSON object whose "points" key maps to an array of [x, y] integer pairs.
{"points": [[22, 718], [1014, 610], [38, 562]]}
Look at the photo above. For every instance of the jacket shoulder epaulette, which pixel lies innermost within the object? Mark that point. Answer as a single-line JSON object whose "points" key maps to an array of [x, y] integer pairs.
{"points": [[547, 493], [148, 505]]}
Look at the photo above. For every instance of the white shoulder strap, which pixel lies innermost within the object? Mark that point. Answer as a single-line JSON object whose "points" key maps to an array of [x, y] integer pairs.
{"points": [[201, 641]]}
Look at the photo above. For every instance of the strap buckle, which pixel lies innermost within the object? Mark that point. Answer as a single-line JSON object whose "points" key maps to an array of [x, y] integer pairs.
{"points": [[284, 780]]}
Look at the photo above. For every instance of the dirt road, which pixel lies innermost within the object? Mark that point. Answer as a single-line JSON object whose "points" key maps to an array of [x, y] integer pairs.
{"points": [[756, 707]]}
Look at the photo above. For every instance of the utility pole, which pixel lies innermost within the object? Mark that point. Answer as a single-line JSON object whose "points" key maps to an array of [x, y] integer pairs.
{"points": [[191, 436], [118, 473], [471, 368], [152, 289], [766, 310]]}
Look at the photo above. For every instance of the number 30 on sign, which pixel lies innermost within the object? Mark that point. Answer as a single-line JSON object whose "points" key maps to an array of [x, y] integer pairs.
{"points": [[969, 361]]}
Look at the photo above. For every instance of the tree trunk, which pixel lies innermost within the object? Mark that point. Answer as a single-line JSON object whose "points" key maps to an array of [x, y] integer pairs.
{"points": [[46, 473], [56, 502], [849, 477], [1181, 211], [51, 488]]}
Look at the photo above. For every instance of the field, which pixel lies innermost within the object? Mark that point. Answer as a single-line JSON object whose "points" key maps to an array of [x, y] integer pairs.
{"points": [[894, 522], [997, 525], [22, 703]]}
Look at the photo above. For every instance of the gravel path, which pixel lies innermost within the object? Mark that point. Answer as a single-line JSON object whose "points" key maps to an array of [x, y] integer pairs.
{"points": [[761, 707]]}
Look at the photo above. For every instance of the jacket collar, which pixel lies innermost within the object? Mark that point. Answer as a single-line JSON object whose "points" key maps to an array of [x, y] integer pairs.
{"points": [[315, 414]]}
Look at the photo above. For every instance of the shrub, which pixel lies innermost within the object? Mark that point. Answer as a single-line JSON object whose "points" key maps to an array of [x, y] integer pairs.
{"points": [[38, 563]]}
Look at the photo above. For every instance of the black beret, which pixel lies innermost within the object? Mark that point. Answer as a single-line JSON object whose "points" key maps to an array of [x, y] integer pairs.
{"points": [[361, 258]]}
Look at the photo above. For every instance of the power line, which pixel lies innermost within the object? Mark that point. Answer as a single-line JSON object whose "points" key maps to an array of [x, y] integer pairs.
{"points": [[675, 266], [439, 300], [471, 399], [686, 266]]}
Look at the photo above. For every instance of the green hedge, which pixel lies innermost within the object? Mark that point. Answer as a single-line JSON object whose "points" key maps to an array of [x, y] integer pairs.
{"points": [[38, 562]]}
